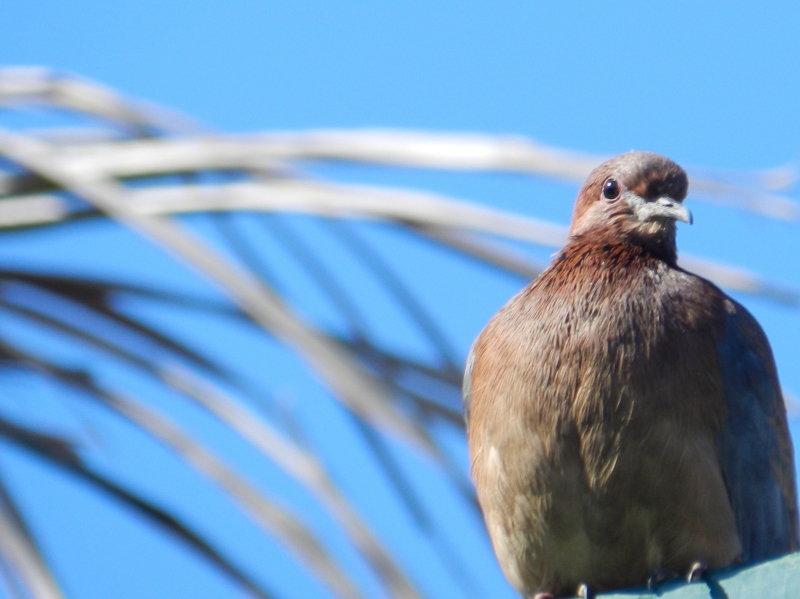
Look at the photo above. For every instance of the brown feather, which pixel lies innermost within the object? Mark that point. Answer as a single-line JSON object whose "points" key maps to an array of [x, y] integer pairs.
{"points": [[596, 401]]}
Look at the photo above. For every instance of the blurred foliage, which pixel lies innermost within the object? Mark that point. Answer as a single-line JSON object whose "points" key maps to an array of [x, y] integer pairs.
{"points": [[310, 284]]}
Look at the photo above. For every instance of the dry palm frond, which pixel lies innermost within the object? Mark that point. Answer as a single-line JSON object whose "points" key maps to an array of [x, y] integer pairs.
{"points": [[60, 452], [272, 221], [20, 554]]}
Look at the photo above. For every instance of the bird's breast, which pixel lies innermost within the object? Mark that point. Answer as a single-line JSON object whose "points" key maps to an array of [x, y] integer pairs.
{"points": [[594, 407]]}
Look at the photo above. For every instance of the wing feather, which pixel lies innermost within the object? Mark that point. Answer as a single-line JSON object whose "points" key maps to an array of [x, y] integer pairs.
{"points": [[755, 447]]}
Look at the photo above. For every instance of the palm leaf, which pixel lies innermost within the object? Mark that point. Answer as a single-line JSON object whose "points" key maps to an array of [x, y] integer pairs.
{"points": [[232, 208]]}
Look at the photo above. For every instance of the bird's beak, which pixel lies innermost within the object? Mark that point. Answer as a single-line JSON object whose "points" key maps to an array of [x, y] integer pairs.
{"points": [[664, 207]]}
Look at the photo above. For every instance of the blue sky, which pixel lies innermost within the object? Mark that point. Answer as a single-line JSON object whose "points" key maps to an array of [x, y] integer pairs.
{"points": [[709, 84]]}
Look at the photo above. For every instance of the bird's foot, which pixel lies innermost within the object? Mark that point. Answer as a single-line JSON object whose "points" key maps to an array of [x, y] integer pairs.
{"points": [[581, 593], [696, 572], [659, 576]]}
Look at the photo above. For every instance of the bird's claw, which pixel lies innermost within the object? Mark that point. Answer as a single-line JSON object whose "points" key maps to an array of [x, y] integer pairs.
{"points": [[659, 576], [696, 571], [543, 596]]}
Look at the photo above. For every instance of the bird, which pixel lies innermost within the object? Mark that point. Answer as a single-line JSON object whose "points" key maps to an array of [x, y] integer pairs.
{"points": [[624, 418]]}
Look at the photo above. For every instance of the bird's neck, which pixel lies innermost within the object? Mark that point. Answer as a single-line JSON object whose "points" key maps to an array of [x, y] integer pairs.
{"points": [[624, 246]]}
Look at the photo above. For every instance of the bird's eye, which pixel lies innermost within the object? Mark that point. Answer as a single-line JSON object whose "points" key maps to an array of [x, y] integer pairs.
{"points": [[611, 189]]}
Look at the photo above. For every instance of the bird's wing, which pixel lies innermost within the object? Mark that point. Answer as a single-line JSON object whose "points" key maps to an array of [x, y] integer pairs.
{"points": [[466, 388], [755, 448]]}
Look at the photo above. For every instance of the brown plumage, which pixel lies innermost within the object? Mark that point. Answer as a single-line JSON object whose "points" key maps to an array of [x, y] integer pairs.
{"points": [[624, 416]]}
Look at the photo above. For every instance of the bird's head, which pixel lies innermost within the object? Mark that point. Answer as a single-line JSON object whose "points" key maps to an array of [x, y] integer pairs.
{"points": [[635, 197]]}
